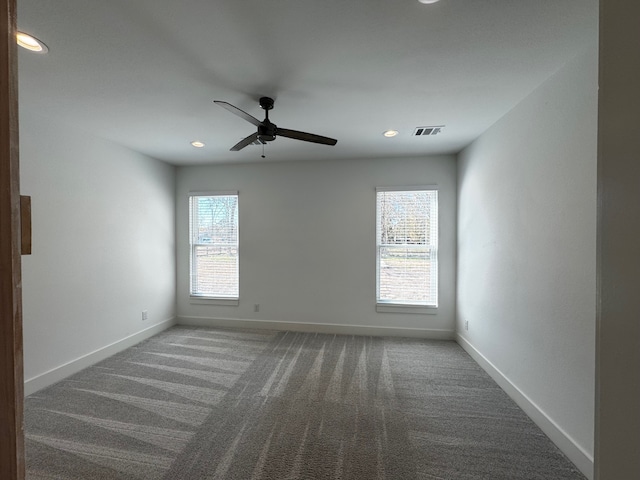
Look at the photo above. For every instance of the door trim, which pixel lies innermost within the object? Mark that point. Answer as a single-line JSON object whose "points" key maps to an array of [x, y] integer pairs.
{"points": [[12, 465]]}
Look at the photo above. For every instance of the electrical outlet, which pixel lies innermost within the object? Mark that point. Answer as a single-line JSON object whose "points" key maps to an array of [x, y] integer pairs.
{"points": [[256, 307], [145, 315], [466, 324]]}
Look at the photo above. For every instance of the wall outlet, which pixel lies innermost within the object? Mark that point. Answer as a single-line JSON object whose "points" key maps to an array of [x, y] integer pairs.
{"points": [[466, 325], [145, 315], [256, 307]]}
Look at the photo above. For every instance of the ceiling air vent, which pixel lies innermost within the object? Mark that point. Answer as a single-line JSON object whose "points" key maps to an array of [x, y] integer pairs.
{"points": [[428, 131]]}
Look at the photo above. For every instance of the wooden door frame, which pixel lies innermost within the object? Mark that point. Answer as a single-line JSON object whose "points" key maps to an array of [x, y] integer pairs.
{"points": [[617, 425], [12, 465]]}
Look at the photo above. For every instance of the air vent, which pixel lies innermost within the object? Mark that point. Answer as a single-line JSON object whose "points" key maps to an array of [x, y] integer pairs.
{"points": [[428, 131]]}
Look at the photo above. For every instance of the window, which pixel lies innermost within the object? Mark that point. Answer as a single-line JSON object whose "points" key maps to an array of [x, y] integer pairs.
{"points": [[407, 247], [213, 238]]}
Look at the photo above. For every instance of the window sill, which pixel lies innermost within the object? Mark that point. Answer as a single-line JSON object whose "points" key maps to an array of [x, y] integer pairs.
{"points": [[229, 302], [402, 308]]}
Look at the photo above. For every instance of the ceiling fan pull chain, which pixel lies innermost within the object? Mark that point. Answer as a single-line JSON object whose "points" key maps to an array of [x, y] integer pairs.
{"points": [[263, 155]]}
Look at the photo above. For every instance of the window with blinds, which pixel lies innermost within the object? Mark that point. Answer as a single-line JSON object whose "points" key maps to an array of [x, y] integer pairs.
{"points": [[213, 238], [407, 246]]}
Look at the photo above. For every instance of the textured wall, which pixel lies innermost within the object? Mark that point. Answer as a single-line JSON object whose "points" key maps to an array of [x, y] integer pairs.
{"points": [[103, 244], [307, 239], [527, 247]]}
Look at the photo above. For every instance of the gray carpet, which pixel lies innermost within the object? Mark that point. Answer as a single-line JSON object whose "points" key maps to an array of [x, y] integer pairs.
{"points": [[195, 403]]}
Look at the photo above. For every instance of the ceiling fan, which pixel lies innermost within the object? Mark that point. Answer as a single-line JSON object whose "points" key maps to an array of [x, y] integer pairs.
{"points": [[268, 131]]}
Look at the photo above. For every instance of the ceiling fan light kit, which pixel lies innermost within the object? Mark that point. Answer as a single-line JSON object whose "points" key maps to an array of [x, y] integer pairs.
{"points": [[268, 131]]}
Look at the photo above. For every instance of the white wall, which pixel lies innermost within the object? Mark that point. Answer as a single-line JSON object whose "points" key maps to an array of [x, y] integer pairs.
{"points": [[307, 243], [103, 248], [527, 254]]}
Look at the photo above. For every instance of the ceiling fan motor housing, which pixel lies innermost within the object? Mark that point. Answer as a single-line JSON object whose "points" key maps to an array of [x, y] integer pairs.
{"points": [[267, 131]]}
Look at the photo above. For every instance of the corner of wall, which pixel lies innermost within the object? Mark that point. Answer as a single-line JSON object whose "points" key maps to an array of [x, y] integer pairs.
{"points": [[569, 446], [61, 372]]}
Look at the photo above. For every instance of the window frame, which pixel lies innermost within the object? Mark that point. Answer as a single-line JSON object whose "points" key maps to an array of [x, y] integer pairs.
{"points": [[384, 306], [212, 299]]}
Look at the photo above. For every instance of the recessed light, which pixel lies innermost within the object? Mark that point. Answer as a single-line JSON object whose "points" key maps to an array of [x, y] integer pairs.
{"points": [[197, 144], [31, 43], [390, 133], [428, 2]]}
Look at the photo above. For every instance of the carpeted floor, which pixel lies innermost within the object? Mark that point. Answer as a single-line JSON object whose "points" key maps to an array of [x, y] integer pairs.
{"points": [[195, 403]]}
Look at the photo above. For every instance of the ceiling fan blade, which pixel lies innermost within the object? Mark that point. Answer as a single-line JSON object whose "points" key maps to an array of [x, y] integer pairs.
{"points": [[238, 112], [305, 137], [244, 142]]}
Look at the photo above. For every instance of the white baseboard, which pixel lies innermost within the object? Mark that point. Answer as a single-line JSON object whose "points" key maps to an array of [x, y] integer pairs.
{"points": [[61, 372], [331, 328], [580, 458]]}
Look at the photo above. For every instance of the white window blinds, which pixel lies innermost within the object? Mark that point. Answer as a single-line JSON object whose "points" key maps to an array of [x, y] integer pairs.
{"points": [[213, 237], [407, 246]]}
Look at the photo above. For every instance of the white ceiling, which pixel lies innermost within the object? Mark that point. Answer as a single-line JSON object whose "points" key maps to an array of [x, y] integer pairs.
{"points": [[144, 73]]}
